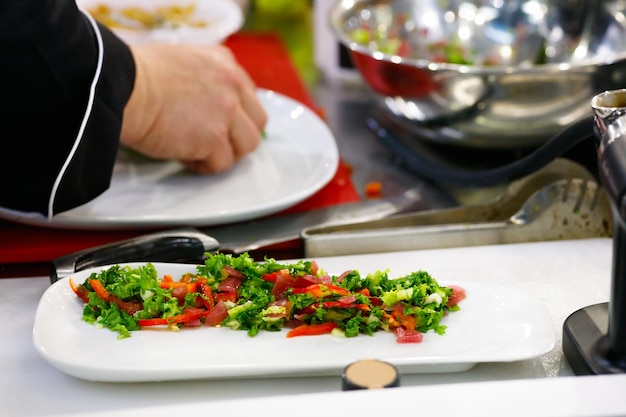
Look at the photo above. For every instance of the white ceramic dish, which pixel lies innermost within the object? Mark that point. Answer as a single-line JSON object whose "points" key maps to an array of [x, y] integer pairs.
{"points": [[297, 158], [221, 18], [495, 324]]}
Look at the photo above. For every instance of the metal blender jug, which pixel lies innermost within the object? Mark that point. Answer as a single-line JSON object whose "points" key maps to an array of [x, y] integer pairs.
{"points": [[589, 348]]}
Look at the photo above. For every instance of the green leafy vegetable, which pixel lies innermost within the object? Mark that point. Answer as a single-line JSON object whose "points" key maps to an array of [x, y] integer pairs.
{"points": [[242, 294]]}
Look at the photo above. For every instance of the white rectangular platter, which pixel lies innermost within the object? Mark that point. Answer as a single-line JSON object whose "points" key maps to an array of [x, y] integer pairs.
{"points": [[495, 324]]}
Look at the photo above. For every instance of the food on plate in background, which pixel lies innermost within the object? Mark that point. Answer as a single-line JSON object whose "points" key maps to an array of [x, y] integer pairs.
{"points": [[167, 21], [175, 16]]}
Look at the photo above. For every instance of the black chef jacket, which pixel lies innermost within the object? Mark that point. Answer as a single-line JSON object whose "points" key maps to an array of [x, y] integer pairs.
{"points": [[49, 54]]}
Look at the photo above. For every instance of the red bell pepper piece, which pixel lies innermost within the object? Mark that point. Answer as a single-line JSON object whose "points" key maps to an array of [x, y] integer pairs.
{"points": [[312, 329], [271, 277], [188, 315], [332, 304], [226, 296], [206, 298], [99, 289], [189, 286], [80, 291], [321, 290]]}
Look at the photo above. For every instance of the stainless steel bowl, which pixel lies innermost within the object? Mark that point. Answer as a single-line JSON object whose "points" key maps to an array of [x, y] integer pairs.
{"points": [[493, 74]]}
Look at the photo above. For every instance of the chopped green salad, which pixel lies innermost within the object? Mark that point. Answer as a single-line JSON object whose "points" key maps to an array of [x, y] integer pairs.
{"points": [[242, 294]]}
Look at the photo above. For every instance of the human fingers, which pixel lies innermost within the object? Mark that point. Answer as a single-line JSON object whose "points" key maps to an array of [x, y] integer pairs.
{"points": [[244, 134], [221, 158], [254, 108]]}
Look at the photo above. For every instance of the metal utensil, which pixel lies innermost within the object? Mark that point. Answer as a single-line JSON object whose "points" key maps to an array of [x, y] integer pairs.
{"points": [[189, 245], [485, 75], [539, 208]]}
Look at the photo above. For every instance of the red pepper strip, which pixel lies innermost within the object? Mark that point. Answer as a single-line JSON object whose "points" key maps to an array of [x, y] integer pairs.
{"points": [[226, 296], [189, 315], [99, 289], [408, 322], [80, 291], [321, 290], [332, 304], [189, 286], [375, 301], [390, 320], [271, 277], [312, 329], [206, 299]]}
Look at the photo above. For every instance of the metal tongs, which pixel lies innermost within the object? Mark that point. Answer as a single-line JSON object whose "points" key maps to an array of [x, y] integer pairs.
{"points": [[560, 201]]}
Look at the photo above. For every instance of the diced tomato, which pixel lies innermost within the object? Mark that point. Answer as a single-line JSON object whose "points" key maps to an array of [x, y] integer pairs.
{"points": [[179, 293], [348, 299], [312, 329], [230, 284], [193, 323], [80, 291], [99, 289], [306, 280], [408, 336], [343, 276], [229, 271], [217, 315], [314, 268], [283, 281], [458, 295]]}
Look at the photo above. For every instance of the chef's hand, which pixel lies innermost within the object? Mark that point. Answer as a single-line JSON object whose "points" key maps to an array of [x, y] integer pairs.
{"points": [[192, 103]]}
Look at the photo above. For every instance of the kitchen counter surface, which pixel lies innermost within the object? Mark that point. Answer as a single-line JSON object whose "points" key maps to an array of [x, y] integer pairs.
{"points": [[565, 275]]}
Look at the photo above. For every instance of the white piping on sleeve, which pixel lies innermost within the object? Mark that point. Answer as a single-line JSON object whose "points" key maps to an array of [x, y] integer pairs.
{"points": [[92, 94]]}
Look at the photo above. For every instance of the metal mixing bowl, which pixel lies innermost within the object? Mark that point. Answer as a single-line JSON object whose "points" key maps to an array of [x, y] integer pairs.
{"points": [[496, 74]]}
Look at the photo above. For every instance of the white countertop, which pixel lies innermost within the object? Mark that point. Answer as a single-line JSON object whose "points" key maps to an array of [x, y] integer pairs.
{"points": [[566, 275]]}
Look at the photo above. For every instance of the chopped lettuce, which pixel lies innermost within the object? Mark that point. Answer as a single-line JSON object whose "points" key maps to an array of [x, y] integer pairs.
{"points": [[357, 305]]}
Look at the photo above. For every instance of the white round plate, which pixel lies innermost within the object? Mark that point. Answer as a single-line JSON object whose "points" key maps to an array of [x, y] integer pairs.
{"points": [[221, 18], [297, 157]]}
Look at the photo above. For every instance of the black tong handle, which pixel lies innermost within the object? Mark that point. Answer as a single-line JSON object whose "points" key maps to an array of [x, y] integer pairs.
{"points": [[182, 245]]}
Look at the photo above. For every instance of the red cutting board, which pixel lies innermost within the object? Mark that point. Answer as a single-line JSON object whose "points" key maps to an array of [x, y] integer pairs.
{"points": [[267, 61]]}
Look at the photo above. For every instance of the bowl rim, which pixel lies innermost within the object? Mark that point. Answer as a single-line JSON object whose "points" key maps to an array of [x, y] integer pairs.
{"points": [[338, 10]]}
